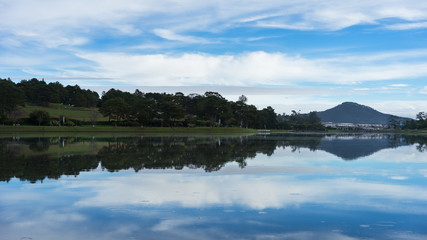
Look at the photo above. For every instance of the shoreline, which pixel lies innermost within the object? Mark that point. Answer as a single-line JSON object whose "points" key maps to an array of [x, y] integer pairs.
{"points": [[126, 131], [8, 130]]}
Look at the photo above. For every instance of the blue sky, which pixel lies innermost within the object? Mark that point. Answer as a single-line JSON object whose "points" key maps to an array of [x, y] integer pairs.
{"points": [[293, 55]]}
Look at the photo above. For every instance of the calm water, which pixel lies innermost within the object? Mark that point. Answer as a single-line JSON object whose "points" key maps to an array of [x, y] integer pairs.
{"points": [[260, 187]]}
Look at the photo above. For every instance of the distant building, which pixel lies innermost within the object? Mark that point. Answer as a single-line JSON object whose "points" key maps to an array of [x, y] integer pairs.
{"points": [[355, 126]]}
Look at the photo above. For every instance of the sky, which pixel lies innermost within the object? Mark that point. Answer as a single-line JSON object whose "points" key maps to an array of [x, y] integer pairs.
{"points": [[304, 55]]}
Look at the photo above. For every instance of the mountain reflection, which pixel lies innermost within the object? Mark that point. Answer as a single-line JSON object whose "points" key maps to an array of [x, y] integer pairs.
{"points": [[34, 159], [351, 147]]}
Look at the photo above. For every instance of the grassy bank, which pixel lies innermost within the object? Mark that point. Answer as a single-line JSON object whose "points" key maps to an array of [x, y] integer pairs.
{"points": [[55, 110], [111, 130], [132, 131], [417, 132]]}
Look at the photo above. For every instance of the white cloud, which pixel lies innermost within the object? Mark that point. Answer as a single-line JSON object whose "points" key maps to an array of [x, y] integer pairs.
{"points": [[362, 89], [337, 235], [399, 85], [169, 35], [399, 108], [407, 235], [293, 26], [73, 19], [398, 177], [306, 235], [407, 26], [247, 69], [250, 191], [127, 29], [171, 224]]}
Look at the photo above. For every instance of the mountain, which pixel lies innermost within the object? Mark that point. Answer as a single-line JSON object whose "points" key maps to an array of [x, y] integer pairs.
{"points": [[350, 112]]}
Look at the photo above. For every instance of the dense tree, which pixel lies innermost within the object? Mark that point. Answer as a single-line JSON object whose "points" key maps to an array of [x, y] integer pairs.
{"points": [[421, 116], [243, 99], [214, 107], [11, 97], [38, 92], [115, 108], [40, 116], [59, 93], [298, 121], [142, 109], [420, 123], [79, 97], [152, 109], [268, 118], [171, 110], [114, 93]]}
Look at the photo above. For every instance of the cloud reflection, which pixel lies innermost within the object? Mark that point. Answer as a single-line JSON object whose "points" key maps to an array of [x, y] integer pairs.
{"points": [[307, 236], [253, 191], [169, 224]]}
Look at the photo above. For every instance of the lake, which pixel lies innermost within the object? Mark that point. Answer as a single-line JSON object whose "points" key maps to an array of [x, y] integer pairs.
{"points": [[289, 186]]}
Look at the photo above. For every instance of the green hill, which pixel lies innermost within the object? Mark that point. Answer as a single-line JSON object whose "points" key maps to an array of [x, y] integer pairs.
{"points": [[350, 112]]}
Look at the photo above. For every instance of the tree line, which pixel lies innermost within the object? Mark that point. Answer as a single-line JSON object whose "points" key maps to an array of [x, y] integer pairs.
{"points": [[210, 109], [149, 109], [41, 93], [175, 110], [419, 123]]}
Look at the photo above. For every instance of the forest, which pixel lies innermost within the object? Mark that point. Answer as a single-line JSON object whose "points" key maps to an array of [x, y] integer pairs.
{"points": [[142, 109]]}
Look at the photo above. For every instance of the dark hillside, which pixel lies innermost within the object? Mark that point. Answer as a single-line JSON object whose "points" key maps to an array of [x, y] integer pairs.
{"points": [[350, 112]]}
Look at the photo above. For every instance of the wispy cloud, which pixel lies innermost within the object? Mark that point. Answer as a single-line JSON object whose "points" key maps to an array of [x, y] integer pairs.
{"points": [[247, 69], [171, 224], [66, 21], [399, 85], [170, 35], [407, 26], [292, 26], [400, 107], [307, 235]]}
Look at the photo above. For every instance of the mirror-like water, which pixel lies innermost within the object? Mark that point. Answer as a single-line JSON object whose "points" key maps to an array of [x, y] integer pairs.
{"points": [[367, 186]]}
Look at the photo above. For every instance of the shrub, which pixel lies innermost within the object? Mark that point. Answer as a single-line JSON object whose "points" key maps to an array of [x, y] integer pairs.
{"points": [[69, 123], [54, 122], [39, 116]]}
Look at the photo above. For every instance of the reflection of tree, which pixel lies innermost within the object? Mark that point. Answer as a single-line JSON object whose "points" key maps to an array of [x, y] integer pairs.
{"points": [[28, 160], [34, 159], [41, 145], [295, 142], [39, 167], [421, 140], [210, 154]]}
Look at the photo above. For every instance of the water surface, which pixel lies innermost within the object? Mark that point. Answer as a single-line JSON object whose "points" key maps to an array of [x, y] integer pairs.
{"points": [[352, 186]]}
